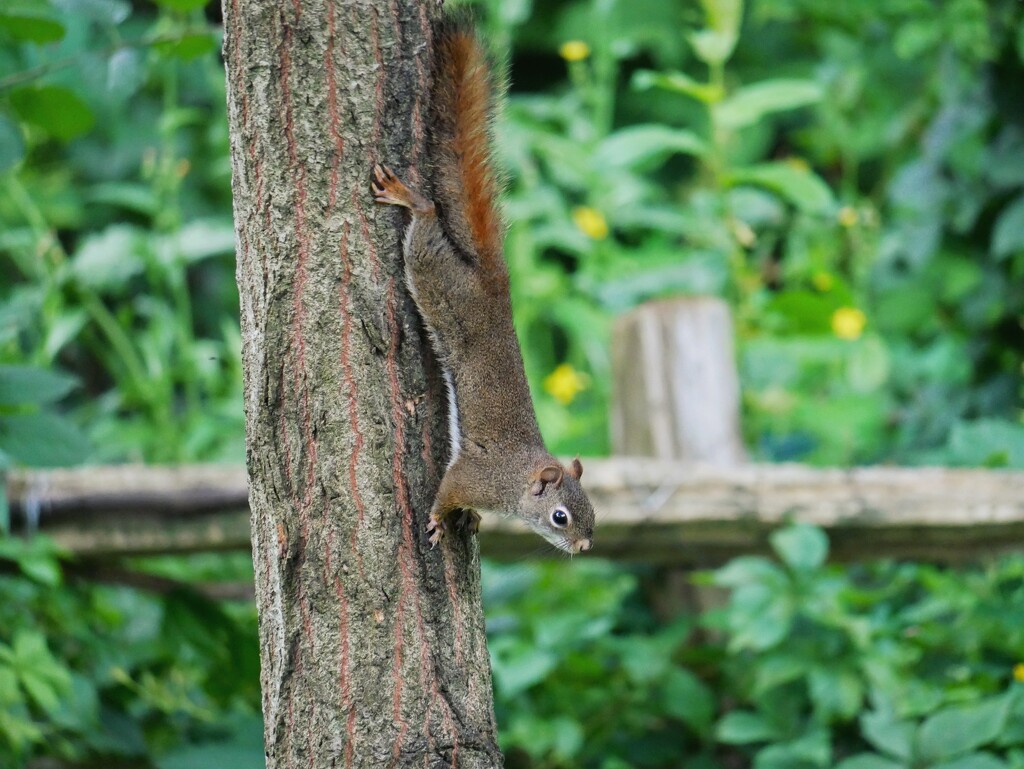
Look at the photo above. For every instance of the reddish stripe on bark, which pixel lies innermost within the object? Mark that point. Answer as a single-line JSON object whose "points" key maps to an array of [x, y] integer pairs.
{"points": [[332, 105], [449, 581], [408, 584], [346, 692], [349, 379]]}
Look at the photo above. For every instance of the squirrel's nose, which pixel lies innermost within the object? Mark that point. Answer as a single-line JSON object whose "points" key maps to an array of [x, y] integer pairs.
{"points": [[582, 545]]}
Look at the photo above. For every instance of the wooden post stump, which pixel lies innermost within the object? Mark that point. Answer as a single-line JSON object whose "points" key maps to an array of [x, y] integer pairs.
{"points": [[677, 396], [676, 391]]}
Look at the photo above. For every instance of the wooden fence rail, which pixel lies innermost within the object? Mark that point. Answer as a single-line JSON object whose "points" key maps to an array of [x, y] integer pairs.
{"points": [[649, 510]]}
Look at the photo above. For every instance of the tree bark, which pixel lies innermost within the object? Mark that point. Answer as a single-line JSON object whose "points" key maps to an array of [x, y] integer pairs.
{"points": [[372, 645]]}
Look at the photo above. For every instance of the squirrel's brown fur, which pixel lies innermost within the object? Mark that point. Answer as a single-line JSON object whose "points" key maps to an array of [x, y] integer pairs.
{"points": [[459, 141], [456, 273]]}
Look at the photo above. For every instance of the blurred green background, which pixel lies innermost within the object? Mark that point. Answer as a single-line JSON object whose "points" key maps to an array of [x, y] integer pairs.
{"points": [[849, 176]]}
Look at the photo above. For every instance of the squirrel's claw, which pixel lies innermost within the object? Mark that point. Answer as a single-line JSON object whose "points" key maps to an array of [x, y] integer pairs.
{"points": [[470, 519], [435, 527], [389, 190]]}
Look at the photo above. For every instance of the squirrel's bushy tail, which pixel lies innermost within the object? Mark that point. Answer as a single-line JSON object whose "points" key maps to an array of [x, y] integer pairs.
{"points": [[465, 183]]}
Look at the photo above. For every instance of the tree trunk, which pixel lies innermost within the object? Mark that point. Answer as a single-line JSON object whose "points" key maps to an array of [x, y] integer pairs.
{"points": [[372, 645]]}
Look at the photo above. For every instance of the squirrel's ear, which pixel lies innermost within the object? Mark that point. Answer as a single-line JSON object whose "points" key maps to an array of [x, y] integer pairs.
{"points": [[541, 478], [576, 469]]}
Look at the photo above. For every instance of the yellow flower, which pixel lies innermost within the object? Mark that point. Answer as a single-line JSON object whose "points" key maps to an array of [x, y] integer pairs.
{"points": [[848, 216], [565, 383], [822, 281], [848, 323], [1018, 672], [574, 50], [591, 222]]}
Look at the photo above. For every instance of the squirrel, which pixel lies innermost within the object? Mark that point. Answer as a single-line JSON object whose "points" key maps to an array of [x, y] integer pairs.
{"points": [[455, 272]]}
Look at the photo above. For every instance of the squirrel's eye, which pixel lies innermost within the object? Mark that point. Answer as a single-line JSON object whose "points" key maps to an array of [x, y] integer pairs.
{"points": [[560, 517]]}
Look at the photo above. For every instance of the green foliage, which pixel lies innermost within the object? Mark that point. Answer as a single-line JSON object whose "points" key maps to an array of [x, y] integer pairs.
{"points": [[853, 226], [805, 665], [90, 672], [117, 239], [850, 176], [30, 434]]}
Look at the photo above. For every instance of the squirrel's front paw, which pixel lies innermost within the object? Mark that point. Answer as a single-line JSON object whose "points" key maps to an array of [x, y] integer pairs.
{"points": [[435, 528]]}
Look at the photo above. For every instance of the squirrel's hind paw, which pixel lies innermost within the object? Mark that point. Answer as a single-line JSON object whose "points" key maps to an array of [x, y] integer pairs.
{"points": [[469, 519], [389, 190]]}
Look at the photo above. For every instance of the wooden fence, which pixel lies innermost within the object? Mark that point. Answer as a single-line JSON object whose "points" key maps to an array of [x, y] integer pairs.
{"points": [[689, 500], [649, 510]]}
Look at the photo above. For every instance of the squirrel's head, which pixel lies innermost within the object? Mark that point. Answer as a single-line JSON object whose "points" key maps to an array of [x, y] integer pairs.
{"points": [[557, 508]]}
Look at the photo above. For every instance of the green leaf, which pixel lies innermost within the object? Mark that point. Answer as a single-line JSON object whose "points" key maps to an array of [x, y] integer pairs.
{"points": [[713, 47], [887, 734], [986, 443], [868, 364], [677, 82], [62, 330], [644, 147], [5, 507], [801, 547], [188, 46], [777, 669], [835, 692], [199, 239], [518, 666], [31, 21], [800, 186], [108, 260], [12, 146], [724, 15], [973, 761], [27, 384], [42, 677], [36, 558], [42, 440], [747, 569], [687, 698], [1008, 232], [139, 198], [869, 761], [182, 5], [747, 105], [105, 12], [813, 749], [125, 72], [758, 617], [742, 727], [953, 731], [715, 44], [57, 110]]}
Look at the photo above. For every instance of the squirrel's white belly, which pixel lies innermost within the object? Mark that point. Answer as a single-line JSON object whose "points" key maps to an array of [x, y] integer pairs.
{"points": [[454, 434]]}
